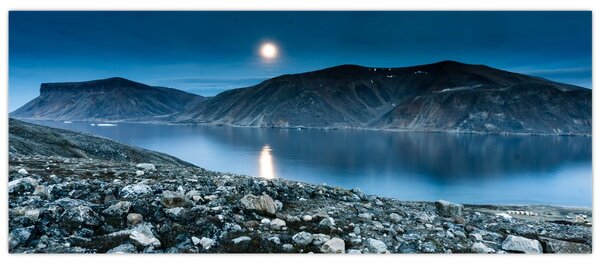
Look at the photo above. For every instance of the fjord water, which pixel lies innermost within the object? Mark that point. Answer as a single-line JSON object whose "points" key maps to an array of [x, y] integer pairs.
{"points": [[463, 168]]}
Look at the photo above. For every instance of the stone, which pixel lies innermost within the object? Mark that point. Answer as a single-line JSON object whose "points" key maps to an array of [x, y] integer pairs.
{"points": [[327, 222], [22, 184], [307, 218], [376, 246], [23, 171], [265, 221], [334, 245], [119, 209], [18, 236], [354, 251], [139, 173], [275, 239], [476, 236], [146, 166], [195, 240], [320, 239], [122, 249], [175, 213], [142, 235], [241, 239], [263, 203], [395, 217], [560, 246], [303, 238], [75, 216], [206, 242], [135, 191], [288, 248], [277, 224], [481, 248], [520, 244], [365, 217], [134, 218], [32, 214], [172, 199], [42, 191], [447, 209]]}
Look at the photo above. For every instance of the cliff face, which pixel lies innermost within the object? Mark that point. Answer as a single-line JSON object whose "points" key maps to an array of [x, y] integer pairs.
{"points": [[108, 99], [445, 96]]}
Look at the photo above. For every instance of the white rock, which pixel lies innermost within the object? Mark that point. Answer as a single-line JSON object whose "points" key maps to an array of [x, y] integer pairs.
{"points": [[395, 217], [23, 171], [320, 239], [334, 245], [206, 242], [277, 224], [146, 166], [139, 173], [307, 218], [265, 221], [481, 248], [521, 244], [142, 235], [135, 190], [303, 238], [195, 240], [376, 246], [241, 239]]}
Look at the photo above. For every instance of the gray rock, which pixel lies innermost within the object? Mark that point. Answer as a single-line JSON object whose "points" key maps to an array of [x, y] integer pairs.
{"points": [[142, 235], [365, 217], [481, 248], [23, 171], [327, 223], [146, 166], [521, 244], [376, 246], [303, 238], [119, 209], [263, 203], [320, 239], [334, 245], [134, 218], [22, 184], [447, 209], [241, 239], [175, 213], [18, 236], [171, 199], [75, 216], [560, 246], [206, 242], [395, 217], [134, 191], [288, 248], [277, 224], [122, 249]]}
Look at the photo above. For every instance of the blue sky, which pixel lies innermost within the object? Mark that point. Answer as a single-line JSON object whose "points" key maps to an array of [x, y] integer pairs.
{"points": [[208, 52]]}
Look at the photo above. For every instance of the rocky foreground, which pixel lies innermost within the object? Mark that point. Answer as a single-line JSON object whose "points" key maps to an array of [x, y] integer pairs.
{"points": [[77, 205]]}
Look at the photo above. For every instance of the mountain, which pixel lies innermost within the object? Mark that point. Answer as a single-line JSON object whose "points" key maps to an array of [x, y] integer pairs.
{"points": [[446, 96], [112, 99], [35, 140]]}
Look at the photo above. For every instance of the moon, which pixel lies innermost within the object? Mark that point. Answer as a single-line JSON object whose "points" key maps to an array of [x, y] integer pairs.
{"points": [[268, 50]]}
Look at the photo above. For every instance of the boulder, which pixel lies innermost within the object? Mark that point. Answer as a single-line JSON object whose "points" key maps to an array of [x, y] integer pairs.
{"points": [[18, 236], [134, 218], [376, 246], [560, 246], [303, 238], [23, 171], [277, 224], [22, 185], [119, 209], [172, 199], [520, 244], [481, 248], [134, 191], [122, 249], [334, 245], [263, 203], [146, 166], [447, 209], [142, 235]]}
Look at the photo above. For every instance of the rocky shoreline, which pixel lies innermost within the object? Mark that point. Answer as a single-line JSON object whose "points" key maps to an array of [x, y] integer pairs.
{"points": [[82, 205]]}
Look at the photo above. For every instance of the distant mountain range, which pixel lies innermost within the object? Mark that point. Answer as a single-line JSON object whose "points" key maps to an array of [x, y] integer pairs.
{"points": [[446, 96], [112, 99]]}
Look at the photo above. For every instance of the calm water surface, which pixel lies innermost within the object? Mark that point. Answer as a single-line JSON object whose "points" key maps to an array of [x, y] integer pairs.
{"points": [[463, 168]]}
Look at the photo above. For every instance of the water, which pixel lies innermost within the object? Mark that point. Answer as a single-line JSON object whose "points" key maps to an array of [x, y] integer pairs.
{"points": [[484, 169]]}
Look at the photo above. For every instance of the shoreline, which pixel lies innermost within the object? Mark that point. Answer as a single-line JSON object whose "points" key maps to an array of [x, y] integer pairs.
{"points": [[88, 205], [212, 124]]}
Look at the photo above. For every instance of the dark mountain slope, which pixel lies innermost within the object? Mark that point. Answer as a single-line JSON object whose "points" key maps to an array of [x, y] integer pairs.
{"points": [[110, 99], [445, 96], [30, 139]]}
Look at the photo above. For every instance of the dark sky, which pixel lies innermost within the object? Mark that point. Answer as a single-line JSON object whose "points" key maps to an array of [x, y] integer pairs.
{"points": [[208, 52]]}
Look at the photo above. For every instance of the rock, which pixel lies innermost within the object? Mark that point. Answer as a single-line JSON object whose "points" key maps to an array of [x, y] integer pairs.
{"points": [[32, 214], [76, 216], [146, 166], [122, 249], [277, 224], [135, 191], [175, 213], [365, 217], [119, 209], [171, 199], [275, 239], [241, 239], [320, 239], [134, 218], [481, 248], [354, 251], [206, 243], [303, 238], [560, 246], [307, 218], [521, 244], [22, 184], [263, 203], [23, 171], [19, 236], [195, 240], [447, 209], [265, 221], [476, 236], [288, 248], [334, 245], [42, 191], [139, 173], [327, 223], [142, 235], [376, 246], [395, 217]]}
